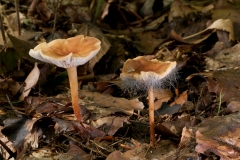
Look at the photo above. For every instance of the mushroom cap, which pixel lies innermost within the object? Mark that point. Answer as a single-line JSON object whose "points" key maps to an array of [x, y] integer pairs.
{"points": [[141, 72], [67, 53]]}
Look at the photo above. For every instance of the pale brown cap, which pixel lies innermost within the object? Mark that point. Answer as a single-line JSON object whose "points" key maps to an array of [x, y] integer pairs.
{"points": [[146, 72], [67, 53]]}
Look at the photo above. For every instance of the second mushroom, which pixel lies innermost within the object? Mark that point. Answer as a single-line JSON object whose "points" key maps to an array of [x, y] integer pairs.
{"points": [[141, 73], [69, 53]]}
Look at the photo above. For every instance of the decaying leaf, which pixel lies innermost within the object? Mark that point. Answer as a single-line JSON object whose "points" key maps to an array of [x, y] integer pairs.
{"points": [[30, 81], [228, 58], [165, 149], [121, 104], [8, 60], [220, 135], [111, 124], [22, 47], [172, 129], [167, 109], [233, 106], [161, 95], [181, 99], [17, 125], [8, 87], [225, 83], [4, 153], [187, 144], [76, 153]]}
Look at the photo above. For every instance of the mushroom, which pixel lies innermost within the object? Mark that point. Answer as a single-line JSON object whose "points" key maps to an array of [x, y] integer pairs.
{"points": [[143, 74], [69, 53]]}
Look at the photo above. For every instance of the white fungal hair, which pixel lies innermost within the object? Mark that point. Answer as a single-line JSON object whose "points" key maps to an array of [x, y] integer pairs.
{"points": [[148, 80]]}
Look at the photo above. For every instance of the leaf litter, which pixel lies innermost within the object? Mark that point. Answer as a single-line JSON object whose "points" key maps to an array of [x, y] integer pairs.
{"points": [[195, 111]]}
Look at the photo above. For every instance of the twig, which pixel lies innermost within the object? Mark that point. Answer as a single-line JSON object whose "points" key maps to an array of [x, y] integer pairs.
{"points": [[2, 29], [147, 151], [10, 152], [18, 18], [8, 23], [115, 143], [55, 16], [12, 106], [90, 149], [100, 146], [19, 29]]}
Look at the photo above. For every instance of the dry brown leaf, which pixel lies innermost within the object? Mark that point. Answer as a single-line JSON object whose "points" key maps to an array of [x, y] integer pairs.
{"points": [[169, 128], [233, 106], [224, 25], [225, 83], [116, 155], [220, 135], [4, 153], [9, 87], [76, 152], [227, 58], [120, 104], [181, 99], [147, 42], [111, 124], [231, 13], [220, 24], [161, 95], [188, 145], [30, 81], [178, 10], [106, 8]]}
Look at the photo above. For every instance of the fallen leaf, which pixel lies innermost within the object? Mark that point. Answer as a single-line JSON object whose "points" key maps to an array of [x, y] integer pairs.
{"points": [[170, 128], [22, 47], [30, 81], [178, 10], [187, 144], [228, 58], [181, 99], [15, 131], [38, 128], [120, 104], [161, 95], [233, 106], [111, 124], [8, 87], [77, 153], [8, 60], [167, 109], [226, 84], [87, 131], [220, 135]]}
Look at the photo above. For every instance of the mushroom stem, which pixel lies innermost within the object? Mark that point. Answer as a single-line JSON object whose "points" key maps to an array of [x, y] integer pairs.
{"points": [[73, 80], [151, 116]]}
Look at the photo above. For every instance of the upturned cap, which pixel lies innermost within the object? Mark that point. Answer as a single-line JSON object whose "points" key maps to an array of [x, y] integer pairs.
{"points": [[146, 72], [67, 53]]}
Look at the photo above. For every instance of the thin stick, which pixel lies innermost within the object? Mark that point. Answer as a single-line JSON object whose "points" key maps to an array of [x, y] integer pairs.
{"points": [[151, 116], [18, 17], [18, 115], [83, 145], [2, 29], [55, 16]]}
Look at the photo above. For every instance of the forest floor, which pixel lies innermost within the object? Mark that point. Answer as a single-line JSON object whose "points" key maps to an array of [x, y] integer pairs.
{"points": [[195, 106]]}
